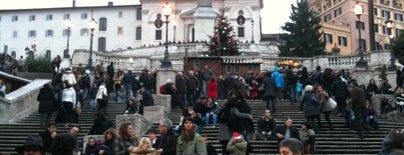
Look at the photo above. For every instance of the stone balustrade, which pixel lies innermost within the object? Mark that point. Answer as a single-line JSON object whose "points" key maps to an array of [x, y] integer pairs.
{"points": [[20, 103], [150, 58]]}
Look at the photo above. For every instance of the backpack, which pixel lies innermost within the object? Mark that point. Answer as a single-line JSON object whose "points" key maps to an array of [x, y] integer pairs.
{"points": [[225, 116], [162, 89]]}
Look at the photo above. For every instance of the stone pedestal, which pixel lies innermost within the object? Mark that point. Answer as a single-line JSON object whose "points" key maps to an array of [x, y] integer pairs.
{"points": [[204, 23], [162, 76], [140, 123], [163, 100], [155, 114], [376, 100]]}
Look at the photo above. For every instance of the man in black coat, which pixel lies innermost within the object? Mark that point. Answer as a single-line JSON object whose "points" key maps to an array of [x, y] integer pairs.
{"points": [[147, 99], [167, 141], [281, 133], [339, 90], [358, 99], [269, 92], [47, 100], [48, 136]]}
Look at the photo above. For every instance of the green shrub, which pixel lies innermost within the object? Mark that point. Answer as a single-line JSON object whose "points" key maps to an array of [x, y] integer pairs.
{"points": [[39, 64]]}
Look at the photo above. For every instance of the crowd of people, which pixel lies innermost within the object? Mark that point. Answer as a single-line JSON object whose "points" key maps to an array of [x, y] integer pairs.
{"points": [[197, 92]]}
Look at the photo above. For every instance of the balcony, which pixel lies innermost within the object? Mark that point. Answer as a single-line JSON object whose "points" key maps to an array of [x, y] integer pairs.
{"points": [[398, 5]]}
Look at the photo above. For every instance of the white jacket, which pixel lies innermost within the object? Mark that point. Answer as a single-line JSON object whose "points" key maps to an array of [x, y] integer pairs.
{"points": [[69, 95], [102, 90], [69, 77]]}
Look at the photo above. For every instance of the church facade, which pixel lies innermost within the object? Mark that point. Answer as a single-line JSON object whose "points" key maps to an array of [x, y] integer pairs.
{"points": [[119, 28]]}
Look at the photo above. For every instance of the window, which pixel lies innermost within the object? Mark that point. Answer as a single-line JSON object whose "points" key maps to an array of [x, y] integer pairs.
{"points": [[197, 63], [102, 44], [342, 41], [360, 24], [386, 14], [84, 16], [49, 17], [139, 14], [14, 18], [48, 54], [158, 34], [32, 33], [120, 14], [376, 28], [120, 30], [363, 44], [398, 17], [31, 18], [375, 11], [399, 31], [103, 24], [328, 38], [49, 33], [14, 54], [240, 32], [66, 16], [139, 33], [337, 12], [229, 69], [15, 34], [236, 69], [327, 18], [386, 30], [65, 32], [84, 32], [378, 46]]}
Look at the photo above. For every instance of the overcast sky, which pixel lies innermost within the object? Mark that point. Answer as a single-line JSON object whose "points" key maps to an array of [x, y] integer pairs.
{"points": [[274, 14]]}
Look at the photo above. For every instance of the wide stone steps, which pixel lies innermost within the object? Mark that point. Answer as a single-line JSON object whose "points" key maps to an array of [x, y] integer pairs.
{"points": [[339, 141]]}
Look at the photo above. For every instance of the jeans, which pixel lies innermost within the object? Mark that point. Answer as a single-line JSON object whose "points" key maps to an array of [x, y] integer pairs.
{"points": [[45, 118], [207, 119], [204, 89], [292, 93], [128, 92], [270, 103], [85, 94], [93, 104], [118, 95], [183, 99], [371, 122]]}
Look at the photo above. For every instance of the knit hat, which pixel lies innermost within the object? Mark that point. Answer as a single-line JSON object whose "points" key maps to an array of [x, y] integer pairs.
{"points": [[236, 135], [31, 141], [88, 71]]}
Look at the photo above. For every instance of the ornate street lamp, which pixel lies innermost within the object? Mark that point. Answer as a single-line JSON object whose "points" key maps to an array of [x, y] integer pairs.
{"points": [[166, 63], [92, 25], [174, 29], [389, 25], [69, 24], [252, 31], [358, 9]]}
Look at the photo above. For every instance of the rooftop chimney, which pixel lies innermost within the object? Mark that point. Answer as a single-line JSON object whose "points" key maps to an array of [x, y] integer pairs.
{"points": [[74, 3], [110, 3]]}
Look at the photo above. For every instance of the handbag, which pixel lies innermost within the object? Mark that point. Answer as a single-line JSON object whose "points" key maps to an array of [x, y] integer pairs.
{"points": [[78, 108], [299, 87], [332, 103]]}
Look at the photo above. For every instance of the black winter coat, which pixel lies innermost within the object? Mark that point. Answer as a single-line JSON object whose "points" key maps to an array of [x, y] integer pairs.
{"points": [[46, 99], [169, 144]]}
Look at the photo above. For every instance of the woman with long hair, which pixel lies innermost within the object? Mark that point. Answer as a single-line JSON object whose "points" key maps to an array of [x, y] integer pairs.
{"points": [[190, 142], [325, 106], [126, 139], [110, 140]]}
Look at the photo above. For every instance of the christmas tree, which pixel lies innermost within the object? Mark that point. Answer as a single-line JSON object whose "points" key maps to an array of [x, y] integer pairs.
{"points": [[222, 43]]}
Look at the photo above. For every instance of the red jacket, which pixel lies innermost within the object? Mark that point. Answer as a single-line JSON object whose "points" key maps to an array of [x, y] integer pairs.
{"points": [[212, 90]]}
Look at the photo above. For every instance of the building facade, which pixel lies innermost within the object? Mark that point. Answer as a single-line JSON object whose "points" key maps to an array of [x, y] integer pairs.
{"points": [[341, 29], [44, 30]]}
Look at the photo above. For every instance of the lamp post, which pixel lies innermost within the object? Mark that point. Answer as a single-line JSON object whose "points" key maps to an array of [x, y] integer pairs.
{"points": [[252, 31], [358, 9], [26, 52], [166, 63], [69, 25], [174, 29], [389, 25], [93, 25]]}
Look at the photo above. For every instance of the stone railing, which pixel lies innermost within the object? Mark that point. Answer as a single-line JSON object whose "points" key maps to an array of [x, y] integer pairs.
{"points": [[20, 103], [150, 58]]}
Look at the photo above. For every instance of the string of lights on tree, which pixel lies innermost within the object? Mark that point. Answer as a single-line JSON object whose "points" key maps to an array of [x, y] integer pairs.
{"points": [[223, 42]]}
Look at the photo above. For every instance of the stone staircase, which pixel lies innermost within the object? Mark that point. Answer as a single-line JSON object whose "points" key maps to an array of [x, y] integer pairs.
{"points": [[339, 141]]}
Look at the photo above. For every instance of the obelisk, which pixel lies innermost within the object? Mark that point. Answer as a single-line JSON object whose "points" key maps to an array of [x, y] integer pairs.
{"points": [[204, 20]]}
